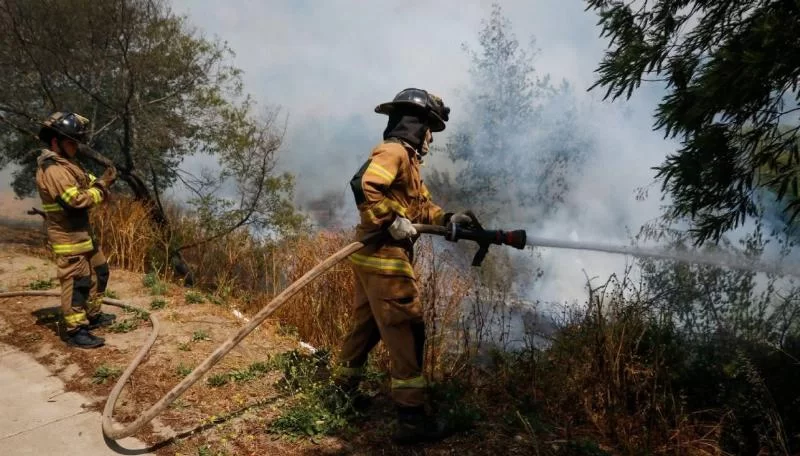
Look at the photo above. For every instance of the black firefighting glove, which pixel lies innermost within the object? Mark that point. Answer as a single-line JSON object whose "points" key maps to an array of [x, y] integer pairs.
{"points": [[107, 179], [467, 219]]}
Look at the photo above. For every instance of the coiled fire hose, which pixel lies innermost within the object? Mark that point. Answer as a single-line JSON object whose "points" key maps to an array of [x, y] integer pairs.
{"points": [[113, 432]]}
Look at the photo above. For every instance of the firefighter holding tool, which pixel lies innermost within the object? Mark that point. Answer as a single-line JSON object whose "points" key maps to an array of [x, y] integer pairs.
{"points": [[68, 192]]}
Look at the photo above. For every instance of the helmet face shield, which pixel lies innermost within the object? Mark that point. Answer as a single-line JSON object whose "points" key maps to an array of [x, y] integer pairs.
{"points": [[66, 125]]}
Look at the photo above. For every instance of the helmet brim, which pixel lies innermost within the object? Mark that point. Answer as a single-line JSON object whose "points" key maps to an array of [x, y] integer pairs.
{"points": [[435, 122]]}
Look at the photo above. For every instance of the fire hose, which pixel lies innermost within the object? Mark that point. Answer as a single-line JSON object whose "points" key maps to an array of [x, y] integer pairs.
{"points": [[484, 238]]}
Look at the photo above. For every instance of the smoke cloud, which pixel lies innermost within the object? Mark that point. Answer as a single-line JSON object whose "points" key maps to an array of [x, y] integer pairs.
{"points": [[328, 67]]}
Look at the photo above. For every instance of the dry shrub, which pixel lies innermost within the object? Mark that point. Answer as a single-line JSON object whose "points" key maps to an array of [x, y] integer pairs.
{"points": [[321, 310], [443, 287], [232, 265], [126, 233], [610, 373]]}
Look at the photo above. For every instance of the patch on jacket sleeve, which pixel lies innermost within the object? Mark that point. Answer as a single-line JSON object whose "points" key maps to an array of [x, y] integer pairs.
{"points": [[355, 184]]}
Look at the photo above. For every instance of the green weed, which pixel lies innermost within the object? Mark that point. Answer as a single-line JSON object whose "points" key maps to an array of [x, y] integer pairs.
{"points": [[194, 297], [183, 371], [105, 373], [41, 284], [124, 326]]}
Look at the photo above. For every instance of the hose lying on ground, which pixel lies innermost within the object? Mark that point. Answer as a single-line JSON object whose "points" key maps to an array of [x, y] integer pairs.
{"points": [[115, 433]]}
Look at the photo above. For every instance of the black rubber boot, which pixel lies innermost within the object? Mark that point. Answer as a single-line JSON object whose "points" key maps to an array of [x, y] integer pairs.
{"points": [[415, 426], [101, 319], [82, 338]]}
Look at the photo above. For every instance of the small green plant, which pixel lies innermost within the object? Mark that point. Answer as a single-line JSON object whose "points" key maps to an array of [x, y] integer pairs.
{"points": [[157, 286], [158, 303], [138, 314], [105, 373], [124, 326], [41, 284], [183, 371], [194, 297], [29, 268], [184, 346], [252, 372], [217, 380], [199, 335], [322, 408], [216, 300], [109, 293]]}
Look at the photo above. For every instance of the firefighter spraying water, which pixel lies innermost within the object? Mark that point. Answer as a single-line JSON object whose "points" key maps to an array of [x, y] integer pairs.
{"points": [[395, 208]]}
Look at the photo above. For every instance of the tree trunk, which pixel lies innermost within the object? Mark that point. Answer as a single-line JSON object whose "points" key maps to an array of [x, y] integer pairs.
{"points": [[156, 212]]}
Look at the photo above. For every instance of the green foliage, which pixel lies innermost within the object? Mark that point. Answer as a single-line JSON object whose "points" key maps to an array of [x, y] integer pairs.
{"points": [[124, 326], [320, 408], [105, 373], [157, 286], [250, 373], [218, 380], [41, 284], [137, 313], [194, 297], [157, 304], [183, 371], [200, 335], [730, 74], [109, 293]]}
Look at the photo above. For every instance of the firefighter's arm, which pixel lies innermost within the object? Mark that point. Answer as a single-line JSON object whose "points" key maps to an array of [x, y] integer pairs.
{"points": [[431, 213], [371, 184], [63, 188]]}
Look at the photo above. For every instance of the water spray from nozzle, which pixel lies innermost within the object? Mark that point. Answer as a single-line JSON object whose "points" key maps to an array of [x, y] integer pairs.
{"points": [[520, 240], [709, 259]]}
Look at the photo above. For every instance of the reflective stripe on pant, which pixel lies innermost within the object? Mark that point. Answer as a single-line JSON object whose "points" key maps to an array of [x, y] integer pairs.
{"points": [[388, 308], [79, 290]]}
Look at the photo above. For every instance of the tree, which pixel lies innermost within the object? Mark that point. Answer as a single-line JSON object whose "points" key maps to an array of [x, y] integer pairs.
{"points": [[156, 93], [520, 143], [730, 69]]}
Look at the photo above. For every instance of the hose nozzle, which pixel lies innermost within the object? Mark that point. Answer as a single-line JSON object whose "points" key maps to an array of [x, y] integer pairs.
{"points": [[485, 238]]}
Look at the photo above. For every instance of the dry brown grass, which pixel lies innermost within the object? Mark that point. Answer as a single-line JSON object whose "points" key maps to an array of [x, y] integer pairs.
{"points": [[126, 233], [252, 272]]}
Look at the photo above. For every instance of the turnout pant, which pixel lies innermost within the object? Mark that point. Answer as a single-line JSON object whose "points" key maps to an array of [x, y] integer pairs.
{"points": [[387, 307], [83, 279]]}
